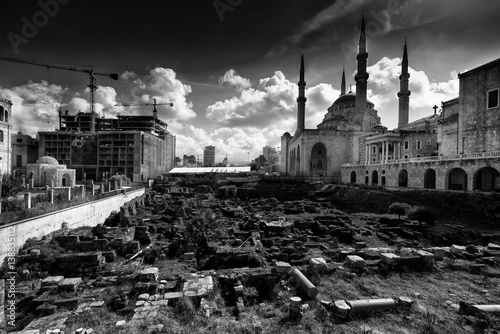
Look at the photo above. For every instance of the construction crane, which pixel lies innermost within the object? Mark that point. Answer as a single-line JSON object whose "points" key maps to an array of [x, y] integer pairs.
{"points": [[154, 104], [91, 72]]}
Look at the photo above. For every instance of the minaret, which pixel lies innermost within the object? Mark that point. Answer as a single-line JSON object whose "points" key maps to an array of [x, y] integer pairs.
{"points": [[342, 84], [301, 100], [404, 93], [361, 76]]}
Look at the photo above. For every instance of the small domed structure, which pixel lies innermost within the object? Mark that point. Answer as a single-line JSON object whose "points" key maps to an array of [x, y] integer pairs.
{"points": [[46, 160], [47, 171]]}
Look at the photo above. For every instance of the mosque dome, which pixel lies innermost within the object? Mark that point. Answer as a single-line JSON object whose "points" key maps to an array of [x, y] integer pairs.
{"points": [[46, 160], [349, 97], [348, 100]]}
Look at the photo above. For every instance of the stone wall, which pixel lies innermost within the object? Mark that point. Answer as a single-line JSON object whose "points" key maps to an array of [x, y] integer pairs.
{"points": [[88, 214], [417, 172], [479, 125]]}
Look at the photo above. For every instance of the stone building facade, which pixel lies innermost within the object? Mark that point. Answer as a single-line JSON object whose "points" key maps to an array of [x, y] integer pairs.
{"points": [[460, 147], [5, 134], [24, 152], [457, 148]]}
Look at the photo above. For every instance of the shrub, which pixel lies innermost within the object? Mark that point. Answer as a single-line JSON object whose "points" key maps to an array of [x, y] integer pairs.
{"points": [[124, 178], [422, 214], [399, 209]]}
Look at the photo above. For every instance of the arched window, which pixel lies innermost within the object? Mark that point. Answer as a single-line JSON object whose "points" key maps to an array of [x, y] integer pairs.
{"points": [[6, 116], [2, 114], [1, 136]]}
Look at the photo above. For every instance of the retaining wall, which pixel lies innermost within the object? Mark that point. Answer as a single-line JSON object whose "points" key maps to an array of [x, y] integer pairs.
{"points": [[88, 214]]}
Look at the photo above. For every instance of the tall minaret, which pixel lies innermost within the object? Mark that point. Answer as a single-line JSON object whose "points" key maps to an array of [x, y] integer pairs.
{"points": [[301, 100], [361, 76], [404, 93], [342, 84]]}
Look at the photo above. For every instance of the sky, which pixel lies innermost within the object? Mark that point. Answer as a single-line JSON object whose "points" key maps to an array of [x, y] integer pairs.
{"points": [[231, 66]]}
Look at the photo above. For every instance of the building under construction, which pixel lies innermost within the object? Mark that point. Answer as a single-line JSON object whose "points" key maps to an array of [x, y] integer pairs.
{"points": [[139, 147]]}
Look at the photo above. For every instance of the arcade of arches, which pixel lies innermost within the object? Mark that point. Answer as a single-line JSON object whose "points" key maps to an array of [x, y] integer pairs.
{"points": [[463, 178]]}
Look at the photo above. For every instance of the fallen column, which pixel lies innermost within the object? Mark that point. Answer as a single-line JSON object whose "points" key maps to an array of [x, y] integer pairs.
{"points": [[371, 304], [306, 285], [477, 309]]}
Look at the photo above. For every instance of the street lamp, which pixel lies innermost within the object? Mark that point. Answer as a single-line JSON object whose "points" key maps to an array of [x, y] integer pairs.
{"points": [[248, 160]]}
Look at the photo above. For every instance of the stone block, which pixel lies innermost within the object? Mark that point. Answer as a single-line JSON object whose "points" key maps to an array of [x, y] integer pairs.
{"points": [[69, 284], [51, 281], [173, 295], [143, 297], [121, 323], [354, 261], [427, 257], [457, 250], [188, 256], [438, 252], [318, 264], [389, 258], [283, 267], [148, 275], [492, 246]]}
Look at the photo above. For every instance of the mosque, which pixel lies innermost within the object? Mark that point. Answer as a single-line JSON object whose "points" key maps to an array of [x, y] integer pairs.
{"points": [[455, 149]]}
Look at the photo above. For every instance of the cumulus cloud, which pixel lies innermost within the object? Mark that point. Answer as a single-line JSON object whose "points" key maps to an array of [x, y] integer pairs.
{"points": [[230, 78], [258, 116], [160, 84], [425, 92], [35, 105], [272, 102], [105, 100]]}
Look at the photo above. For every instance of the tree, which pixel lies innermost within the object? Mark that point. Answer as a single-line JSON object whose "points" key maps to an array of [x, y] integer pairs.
{"points": [[126, 180], [422, 214], [399, 209], [11, 185]]}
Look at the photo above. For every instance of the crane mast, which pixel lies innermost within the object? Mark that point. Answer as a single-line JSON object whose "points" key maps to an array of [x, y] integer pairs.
{"points": [[89, 71]]}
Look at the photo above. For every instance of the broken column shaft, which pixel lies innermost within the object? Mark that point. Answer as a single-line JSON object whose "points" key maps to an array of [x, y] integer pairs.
{"points": [[306, 285]]}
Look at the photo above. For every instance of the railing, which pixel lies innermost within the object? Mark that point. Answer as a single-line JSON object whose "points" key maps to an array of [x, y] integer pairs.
{"points": [[482, 155]]}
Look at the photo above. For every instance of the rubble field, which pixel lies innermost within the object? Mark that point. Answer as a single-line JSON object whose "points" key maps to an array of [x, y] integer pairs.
{"points": [[188, 260]]}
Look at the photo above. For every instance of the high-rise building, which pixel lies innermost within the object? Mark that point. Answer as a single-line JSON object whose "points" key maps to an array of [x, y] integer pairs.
{"points": [[189, 161], [209, 156], [267, 151], [139, 147]]}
